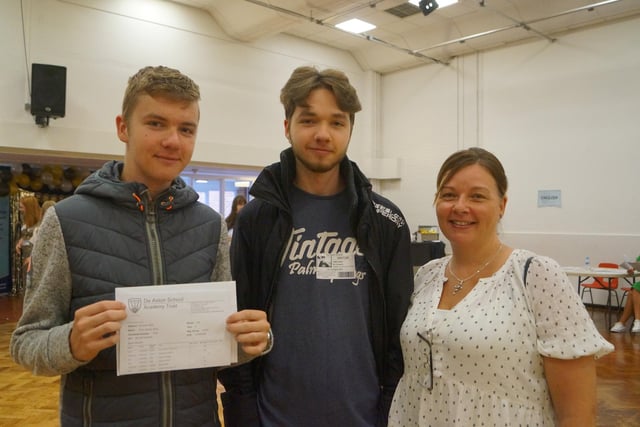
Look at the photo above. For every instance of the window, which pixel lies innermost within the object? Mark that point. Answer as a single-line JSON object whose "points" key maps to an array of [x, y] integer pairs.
{"points": [[218, 190]]}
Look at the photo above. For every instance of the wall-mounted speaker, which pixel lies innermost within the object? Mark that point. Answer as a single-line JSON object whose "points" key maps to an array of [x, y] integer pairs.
{"points": [[48, 90]]}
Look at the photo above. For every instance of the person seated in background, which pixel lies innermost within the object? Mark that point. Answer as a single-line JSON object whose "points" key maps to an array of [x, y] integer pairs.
{"points": [[632, 306]]}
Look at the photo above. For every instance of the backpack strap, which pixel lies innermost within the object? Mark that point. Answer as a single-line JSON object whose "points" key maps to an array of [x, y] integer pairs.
{"points": [[526, 270]]}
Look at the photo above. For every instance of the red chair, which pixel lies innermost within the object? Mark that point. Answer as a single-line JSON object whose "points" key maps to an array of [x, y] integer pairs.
{"points": [[609, 285]]}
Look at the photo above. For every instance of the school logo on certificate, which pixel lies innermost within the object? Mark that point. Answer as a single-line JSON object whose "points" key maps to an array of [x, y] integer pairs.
{"points": [[135, 304]]}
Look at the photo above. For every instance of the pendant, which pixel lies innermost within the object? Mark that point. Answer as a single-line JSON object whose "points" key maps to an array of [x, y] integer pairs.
{"points": [[457, 287]]}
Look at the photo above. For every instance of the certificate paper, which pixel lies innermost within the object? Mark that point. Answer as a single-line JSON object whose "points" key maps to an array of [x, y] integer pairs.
{"points": [[171, 327]]}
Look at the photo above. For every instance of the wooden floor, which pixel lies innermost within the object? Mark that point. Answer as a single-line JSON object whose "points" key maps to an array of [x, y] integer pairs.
{"points": [[26, 400]]}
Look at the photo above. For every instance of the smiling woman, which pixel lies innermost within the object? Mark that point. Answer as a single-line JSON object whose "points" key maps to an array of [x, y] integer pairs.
{"points": [[477, 305]]}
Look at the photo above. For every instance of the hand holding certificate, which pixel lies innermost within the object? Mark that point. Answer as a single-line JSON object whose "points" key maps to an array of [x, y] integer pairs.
{"points": [[173, 327]]}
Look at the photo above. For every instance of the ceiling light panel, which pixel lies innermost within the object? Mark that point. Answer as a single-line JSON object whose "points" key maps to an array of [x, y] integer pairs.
{"points": [[355, 26]]}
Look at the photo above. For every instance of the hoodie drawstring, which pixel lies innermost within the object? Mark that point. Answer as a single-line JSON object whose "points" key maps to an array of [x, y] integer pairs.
{"points": [[167, 204], [139, 203]]}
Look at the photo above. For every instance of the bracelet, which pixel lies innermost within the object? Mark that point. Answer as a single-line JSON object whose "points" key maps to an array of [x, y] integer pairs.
{"points": [[269, 343]]}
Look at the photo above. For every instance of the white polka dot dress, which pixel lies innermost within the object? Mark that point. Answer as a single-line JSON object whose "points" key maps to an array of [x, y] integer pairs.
{"points": [[484, 367]]}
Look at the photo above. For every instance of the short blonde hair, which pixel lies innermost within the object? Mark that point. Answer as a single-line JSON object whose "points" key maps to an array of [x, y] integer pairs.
{"points": [[159, 80]]}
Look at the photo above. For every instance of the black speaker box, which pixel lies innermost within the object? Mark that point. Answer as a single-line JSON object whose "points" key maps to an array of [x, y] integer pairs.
{"points": [[48, 90]]}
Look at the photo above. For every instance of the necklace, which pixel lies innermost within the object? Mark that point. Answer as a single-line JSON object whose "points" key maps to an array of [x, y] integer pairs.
{"points": [[458, 286]]}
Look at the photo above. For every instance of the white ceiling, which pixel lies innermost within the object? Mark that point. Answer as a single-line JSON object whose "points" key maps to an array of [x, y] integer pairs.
{"points": [[402, 42]]}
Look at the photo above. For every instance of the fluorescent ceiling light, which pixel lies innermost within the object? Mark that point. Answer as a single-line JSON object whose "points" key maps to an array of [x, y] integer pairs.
{"points": [[201, 181], [242, 184], [355, 26], [441, 3]]}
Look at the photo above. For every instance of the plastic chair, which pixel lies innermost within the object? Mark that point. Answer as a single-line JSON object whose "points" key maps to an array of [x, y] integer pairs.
{"points": [[609, 285]]}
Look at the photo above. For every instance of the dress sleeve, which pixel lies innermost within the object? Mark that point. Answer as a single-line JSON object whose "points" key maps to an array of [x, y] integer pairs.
{"points": [[563, 326], [428, 274]]}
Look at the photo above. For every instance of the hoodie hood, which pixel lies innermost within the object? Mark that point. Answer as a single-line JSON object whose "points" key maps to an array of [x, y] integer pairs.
{"points": [[275, 182], [105, 183]]}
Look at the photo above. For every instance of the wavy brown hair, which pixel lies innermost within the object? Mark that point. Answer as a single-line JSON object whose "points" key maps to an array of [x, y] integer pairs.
{"points": [[303, 80]]}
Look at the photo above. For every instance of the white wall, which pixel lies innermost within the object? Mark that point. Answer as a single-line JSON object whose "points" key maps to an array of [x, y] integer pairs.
{"points": [[103, 42], [560, 116]]}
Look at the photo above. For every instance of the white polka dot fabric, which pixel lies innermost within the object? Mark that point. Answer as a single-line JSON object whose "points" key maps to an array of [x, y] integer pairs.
{"points": [[486, 352]]}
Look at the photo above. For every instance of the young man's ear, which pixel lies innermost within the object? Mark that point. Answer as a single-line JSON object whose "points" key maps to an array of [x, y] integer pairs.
{"points": [[121, 129], [286, 130]]}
